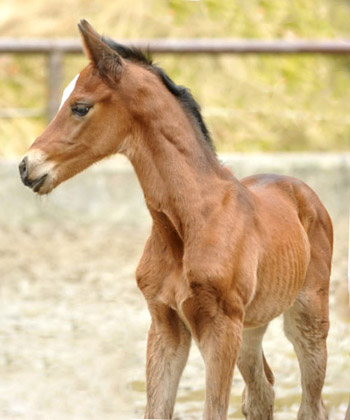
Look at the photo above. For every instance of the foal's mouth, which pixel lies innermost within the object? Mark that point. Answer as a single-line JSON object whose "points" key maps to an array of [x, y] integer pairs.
{"points": [[35, 184], [38, 183], [34, 174]]}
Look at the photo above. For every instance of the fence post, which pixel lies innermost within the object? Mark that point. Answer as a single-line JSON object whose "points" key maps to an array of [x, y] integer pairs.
{"points": [[55, 64]]}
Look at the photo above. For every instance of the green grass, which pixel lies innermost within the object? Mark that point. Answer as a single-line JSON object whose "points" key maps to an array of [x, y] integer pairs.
{"points": [[251, 103]]}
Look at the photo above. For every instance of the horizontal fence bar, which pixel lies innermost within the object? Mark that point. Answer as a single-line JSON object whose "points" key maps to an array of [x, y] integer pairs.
{"points": [[173, 46], [21, 113], [56, 48]]}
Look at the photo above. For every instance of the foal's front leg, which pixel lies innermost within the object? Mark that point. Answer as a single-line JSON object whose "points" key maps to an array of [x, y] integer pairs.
{"points": [[216, 324], [167, 352]]}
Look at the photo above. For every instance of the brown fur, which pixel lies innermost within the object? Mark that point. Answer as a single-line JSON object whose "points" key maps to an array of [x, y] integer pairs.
{"points": [[224, 257]]}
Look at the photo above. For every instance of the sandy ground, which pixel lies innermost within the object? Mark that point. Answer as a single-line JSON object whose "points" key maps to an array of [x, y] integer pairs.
{"points": [[73, 327]]}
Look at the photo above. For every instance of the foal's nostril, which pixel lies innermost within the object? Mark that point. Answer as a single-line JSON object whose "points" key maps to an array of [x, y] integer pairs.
{"points": [[23, 168]]}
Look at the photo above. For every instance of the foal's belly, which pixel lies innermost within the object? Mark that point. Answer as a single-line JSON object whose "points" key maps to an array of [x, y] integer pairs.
{"points": [[276, 290], [280, 274]]}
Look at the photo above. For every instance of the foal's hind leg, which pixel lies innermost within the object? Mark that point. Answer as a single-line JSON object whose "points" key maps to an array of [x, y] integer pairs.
{"points": [[306, 326], [258, 396], [307, 322]]}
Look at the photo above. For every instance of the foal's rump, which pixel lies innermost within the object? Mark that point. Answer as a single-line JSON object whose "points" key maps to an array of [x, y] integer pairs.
{"points": [[293, 227]]}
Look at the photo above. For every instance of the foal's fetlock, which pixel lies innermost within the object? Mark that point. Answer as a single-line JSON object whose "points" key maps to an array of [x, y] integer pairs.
{"points": [[256, 414], [256, 408], [316, 413]]}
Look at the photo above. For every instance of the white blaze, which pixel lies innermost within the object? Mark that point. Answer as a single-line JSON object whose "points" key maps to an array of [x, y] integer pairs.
{"points": [[68, 90]]}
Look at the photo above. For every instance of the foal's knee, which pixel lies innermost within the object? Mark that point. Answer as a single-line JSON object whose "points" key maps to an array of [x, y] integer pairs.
{"points": [[212, 312]]}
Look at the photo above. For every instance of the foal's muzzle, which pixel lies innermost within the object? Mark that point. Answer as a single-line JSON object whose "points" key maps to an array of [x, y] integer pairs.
{"points": [[34, 184]]}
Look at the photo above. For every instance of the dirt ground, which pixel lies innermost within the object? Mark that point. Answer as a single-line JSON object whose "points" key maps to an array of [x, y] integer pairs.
{"points": [[73, 328]]}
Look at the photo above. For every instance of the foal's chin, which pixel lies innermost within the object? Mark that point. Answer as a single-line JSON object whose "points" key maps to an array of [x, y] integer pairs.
{"points": [[46, 187], [43, 185]]}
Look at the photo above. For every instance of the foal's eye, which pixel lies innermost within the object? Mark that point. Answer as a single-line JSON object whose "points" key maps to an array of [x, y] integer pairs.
{"points": [[80, 109]]}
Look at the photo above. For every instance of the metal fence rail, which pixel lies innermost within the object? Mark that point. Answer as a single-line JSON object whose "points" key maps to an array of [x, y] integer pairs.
{"points": [[180, 46], [55, 49]]}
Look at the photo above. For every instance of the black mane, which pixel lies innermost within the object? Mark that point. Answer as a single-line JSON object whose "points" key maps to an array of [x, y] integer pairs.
{"points": [[181, 92]]}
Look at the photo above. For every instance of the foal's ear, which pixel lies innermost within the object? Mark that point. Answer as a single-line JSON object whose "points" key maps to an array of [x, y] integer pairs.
{"points": [[107, 61]]}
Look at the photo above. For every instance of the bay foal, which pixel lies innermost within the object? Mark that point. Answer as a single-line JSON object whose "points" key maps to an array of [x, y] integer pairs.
{"points": [[224, 257]]}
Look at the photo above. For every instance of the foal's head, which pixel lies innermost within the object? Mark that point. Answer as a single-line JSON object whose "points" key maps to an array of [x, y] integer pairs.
{"points": [[92, 122], [115, 94]]}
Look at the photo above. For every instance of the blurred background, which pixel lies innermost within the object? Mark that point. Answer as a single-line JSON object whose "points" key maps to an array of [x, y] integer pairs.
{"points": [[73, 325], [251, 103]]}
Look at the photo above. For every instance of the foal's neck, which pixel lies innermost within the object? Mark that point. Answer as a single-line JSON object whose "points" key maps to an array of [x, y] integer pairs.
{"points": [[178, 171]]}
